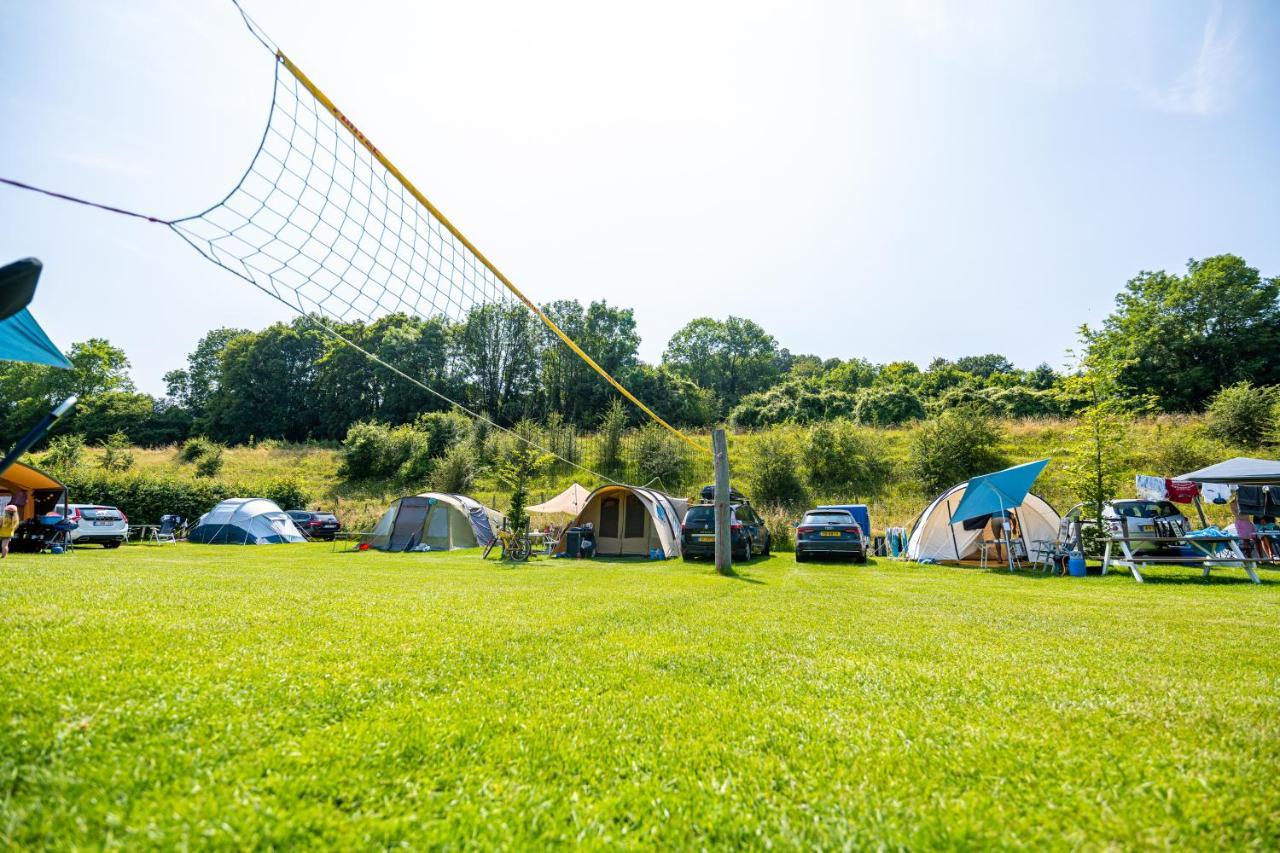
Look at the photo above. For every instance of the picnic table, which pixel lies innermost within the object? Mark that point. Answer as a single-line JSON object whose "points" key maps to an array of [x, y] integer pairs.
{"points": [[1211, 550], [140, 532]]}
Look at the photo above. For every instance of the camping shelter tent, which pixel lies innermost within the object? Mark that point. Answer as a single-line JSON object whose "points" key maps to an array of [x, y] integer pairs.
{"points": [[569, 502], [1242, 470], [632, 521], [245, 521], [434, 521], [935, 537], [33, 492]]}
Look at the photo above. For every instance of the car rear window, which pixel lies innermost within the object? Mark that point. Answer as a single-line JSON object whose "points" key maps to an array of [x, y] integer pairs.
{"points": [[1146, 509], [326, 516], [828, 518], [704, 515], [100, 513]]}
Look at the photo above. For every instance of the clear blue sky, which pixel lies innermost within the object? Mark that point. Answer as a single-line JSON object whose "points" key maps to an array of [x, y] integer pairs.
{"points": [[897, 180]]}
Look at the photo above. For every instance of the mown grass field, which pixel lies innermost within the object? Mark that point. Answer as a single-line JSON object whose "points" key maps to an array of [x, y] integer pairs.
{"points": [[291, 696]]}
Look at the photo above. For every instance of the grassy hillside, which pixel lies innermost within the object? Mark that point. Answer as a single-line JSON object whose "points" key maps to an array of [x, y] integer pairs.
{"points": [[291, 696], [1167, 445]]}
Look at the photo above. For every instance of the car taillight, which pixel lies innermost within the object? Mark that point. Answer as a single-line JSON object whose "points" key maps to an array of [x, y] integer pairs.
{"points": [[853, 530], [75, 515], [804, 530], [737, 525], [683, 527], [124, 517]]}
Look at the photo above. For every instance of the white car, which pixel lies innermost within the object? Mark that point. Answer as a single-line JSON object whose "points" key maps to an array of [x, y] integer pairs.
{"points": [[100, 525]]}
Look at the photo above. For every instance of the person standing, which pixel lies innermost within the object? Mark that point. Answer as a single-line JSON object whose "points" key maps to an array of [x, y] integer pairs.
{"points": [[1243, 527], [8, 526]]}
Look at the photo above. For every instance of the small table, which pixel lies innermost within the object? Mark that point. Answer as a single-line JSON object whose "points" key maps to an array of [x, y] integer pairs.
{"points": [[1010, 547], [140, 532], [1210, 558]]}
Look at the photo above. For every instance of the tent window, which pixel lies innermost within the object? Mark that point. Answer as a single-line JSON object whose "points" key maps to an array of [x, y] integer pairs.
{"points": [[609, 518], [438, 523], [635, 518]]}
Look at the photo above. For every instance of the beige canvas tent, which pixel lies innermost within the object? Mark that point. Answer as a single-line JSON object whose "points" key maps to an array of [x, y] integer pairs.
{"points": [[569, 502], [629, 521]]}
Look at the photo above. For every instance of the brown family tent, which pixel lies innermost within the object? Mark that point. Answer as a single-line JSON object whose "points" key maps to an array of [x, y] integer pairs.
{"points": [[629, 521], [33, 492]]}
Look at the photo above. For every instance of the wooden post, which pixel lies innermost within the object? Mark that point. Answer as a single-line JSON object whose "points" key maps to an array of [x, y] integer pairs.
{"points": [[724, 546]]}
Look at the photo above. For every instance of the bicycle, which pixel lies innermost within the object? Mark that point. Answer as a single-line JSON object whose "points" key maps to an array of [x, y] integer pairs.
{"points": [[515, 545]]}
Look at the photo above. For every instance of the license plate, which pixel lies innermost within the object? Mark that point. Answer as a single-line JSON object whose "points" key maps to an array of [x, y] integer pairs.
{"points": [[835, 533], [104, 523], [711, 538]]}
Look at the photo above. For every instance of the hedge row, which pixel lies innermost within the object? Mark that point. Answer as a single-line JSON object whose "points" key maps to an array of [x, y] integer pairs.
{"points": [[144, 498]]}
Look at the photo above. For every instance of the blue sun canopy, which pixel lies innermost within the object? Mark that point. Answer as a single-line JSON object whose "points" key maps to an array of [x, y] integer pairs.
{"points": [[22, 339], [994, 493]]}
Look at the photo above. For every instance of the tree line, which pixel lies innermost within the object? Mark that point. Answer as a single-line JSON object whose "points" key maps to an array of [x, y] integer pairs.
{"points": [[1172, 340]]}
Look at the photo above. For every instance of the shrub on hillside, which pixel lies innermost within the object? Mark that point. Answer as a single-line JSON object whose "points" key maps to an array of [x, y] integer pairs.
{"points": [[659, 458], [442, 430], [455, 471], [146, 497], [116, 455], [65, 454], [1021, 401], [288, 493], [774, 471], [193, 449], [792, 402], [210, 464], [842, 459], [952, 447], [1242, 414], [888, 406], [373, 450], [1174, 449], [613, 425]]}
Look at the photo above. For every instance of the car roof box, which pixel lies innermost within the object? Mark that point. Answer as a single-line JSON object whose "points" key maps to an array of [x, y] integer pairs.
{"points": [[708, 493]]}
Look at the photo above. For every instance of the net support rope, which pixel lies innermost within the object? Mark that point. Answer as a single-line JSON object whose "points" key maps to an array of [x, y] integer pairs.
{"points": [[324, 223]]}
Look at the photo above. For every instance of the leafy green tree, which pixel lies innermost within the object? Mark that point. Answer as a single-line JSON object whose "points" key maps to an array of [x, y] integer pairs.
{"points": [[1179, 338], [608, 335], [984, 366], [1100, 438], [952, 447], [733, 357], [267, 385], [522, 462], [850, 375], [194, 386], [496, 353]]}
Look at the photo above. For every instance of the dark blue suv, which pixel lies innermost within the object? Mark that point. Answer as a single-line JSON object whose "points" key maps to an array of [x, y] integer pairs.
{"points": [[747, 532]]}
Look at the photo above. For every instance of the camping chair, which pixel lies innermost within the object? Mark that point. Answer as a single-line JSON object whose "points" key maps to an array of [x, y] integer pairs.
{"points": [[166, 533]]}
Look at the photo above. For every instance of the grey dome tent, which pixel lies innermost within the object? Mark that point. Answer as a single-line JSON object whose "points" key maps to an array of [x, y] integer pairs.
{"points": [[245, 521], [629, 521], [434, 521]]}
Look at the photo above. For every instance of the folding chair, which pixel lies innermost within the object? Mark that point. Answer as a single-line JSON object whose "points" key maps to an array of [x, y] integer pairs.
{"points": [[166, 533]]}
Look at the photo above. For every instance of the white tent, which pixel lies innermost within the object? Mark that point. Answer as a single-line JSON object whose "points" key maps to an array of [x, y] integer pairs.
{"points": [[245, 521], [629, 521], [569, 502], [934, 537]]}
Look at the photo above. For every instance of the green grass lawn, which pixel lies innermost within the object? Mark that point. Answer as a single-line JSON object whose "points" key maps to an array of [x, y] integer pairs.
{"points": [[241, 697]]}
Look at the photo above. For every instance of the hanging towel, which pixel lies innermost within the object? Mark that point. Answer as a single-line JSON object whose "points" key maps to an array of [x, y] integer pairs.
{"points": [[1253, 501], [1215, 493], [1181, 491], [1150, 488]]}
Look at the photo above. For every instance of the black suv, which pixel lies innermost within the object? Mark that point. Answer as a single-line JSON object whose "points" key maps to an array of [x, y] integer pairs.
{"points": [[747, 532], [316, 525]]}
